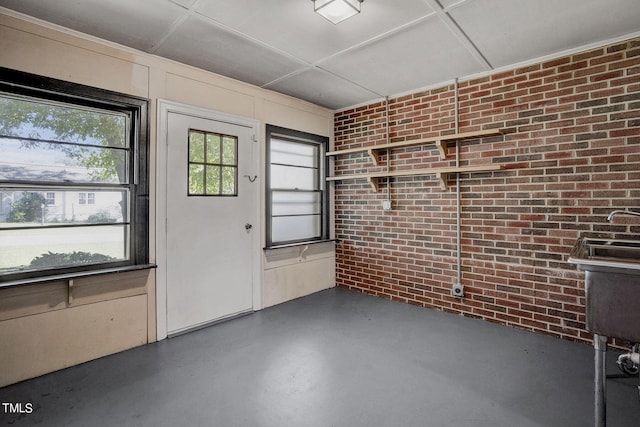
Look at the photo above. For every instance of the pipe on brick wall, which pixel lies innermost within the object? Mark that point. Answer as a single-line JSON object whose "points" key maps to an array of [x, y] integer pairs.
{"points": [[458, 204], [388, 151]]}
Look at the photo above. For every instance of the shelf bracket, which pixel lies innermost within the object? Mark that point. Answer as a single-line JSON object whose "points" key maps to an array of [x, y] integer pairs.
{"points": [[375, 157], [444, 179], [373, 182], [70, 292], [442, 148]]}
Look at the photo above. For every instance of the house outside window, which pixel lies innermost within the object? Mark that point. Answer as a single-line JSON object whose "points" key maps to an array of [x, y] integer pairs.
{"points": [[297, 192], [50, 198], [87, 198], [73, 178]]}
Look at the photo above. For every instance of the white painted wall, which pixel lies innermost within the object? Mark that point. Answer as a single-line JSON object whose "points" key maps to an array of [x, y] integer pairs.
{"points": [[36, 47]]}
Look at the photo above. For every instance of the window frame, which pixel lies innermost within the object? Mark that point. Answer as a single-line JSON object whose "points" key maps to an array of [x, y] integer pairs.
{"points": [[50, 198], [19, 83], [296, 136], [219, 165]]}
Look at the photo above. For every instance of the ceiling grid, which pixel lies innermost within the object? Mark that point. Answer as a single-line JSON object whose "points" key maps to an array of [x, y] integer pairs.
{"points": [[392, 47]]}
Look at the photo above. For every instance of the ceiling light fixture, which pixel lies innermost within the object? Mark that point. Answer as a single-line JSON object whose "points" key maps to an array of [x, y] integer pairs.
{"points": [[337, 10]]}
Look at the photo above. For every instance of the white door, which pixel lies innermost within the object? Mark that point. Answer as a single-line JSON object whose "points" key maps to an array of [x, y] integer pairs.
{"points": [[210, 213]]}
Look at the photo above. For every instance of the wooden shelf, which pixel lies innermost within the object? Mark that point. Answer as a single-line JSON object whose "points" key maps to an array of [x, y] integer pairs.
{"points": [[440, 141], [441, 173]]}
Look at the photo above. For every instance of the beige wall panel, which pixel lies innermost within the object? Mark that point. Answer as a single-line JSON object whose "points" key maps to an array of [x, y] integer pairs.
{"points": [[39, 55], [293, 117], [296, 280], [152, 335], [281, 257], [33, 299], [94, 289], [201, 94], [59, 339], [37, 319]]}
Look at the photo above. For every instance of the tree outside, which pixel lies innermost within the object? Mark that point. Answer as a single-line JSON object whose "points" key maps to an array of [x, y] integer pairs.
{"points": [[53, 138], [30, 208]]}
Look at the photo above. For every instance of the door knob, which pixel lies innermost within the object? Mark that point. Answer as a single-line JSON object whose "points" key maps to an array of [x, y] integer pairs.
{"points": [[248, 226]]}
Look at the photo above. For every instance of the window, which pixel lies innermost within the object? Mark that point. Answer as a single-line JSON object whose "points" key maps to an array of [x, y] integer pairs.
{"points": [[297, 196], [213, 164], [50, 198], [87, 198], [73, 178]]}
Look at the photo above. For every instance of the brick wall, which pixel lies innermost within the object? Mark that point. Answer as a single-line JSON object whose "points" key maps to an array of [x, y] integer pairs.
{"points": [[571, 154]]}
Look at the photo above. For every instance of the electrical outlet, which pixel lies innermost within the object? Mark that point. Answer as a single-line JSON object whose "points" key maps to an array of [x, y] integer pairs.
{"points": [[386, 205], [457, 291]]}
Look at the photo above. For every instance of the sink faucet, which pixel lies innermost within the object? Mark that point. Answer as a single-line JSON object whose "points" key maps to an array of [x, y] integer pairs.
{"points": [[614, 213]]}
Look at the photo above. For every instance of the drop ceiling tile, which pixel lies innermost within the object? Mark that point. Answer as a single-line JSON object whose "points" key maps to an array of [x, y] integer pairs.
{"points": [[184, 3], [323, 89], [507, 32], [451, 3], [200, 43], [293, 26], [138, 24], [423, 55]]}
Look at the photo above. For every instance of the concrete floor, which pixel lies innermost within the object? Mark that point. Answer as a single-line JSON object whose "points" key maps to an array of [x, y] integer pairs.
{"points": [[335, 358]]}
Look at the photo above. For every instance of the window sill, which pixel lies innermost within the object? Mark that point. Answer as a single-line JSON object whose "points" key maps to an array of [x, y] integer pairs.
{"points": [[293, 245], [76, 275]]}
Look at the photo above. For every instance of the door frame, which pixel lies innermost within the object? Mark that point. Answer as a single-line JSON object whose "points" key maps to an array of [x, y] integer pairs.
{"points": [[164, 108]]}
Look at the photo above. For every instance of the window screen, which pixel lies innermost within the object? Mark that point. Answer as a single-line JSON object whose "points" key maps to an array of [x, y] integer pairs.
{"points": [[296, 187]]}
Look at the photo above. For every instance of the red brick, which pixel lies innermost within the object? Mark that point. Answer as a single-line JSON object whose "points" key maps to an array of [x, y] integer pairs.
{"points": [[571, 155]]}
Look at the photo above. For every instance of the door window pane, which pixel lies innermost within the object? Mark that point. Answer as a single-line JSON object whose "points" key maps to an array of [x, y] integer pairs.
{"points": [[196, 147], [213, 148], [213, 164]]}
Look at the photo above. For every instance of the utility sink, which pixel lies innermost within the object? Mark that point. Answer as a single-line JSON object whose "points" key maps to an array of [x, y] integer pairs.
{"points": [[612, 284], [602, 255], [612, 290]]}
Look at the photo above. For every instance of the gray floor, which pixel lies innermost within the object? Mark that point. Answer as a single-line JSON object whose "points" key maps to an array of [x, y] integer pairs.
{"points": [[335, 358]]}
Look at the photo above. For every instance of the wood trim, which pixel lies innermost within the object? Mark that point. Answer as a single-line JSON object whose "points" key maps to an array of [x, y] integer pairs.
{"points": [[436, 139], [412, 172]]}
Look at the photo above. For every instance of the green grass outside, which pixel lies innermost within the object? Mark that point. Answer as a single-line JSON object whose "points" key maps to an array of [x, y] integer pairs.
{"points": [[19, 247]]}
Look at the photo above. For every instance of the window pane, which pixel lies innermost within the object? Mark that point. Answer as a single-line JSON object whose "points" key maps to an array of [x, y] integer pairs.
{"points": [[196, 179], [287, 228], [52, 162], [196, 146], [213, 148], [294, 153], [295, 203], [45, 247], [228, 181], [49, 121], [291, 177], [229, 150], [213, 180], [30, 208]]}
